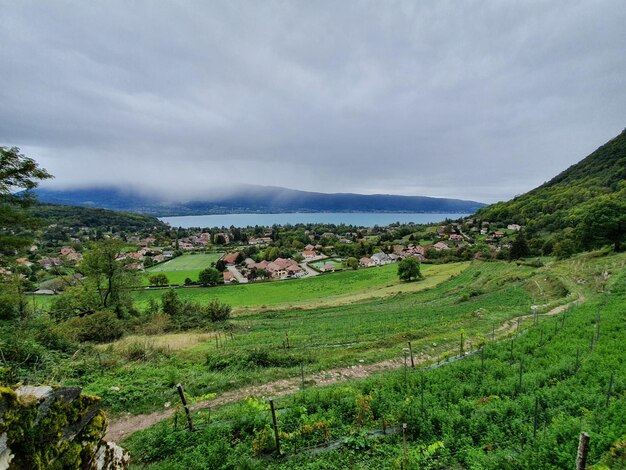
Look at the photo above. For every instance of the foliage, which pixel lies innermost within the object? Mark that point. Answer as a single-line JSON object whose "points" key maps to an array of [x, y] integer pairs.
{"points": [[588, 196], [159, 280], [217, 311], [209, 277], [352, 263], [472, 413], [409, 269], [17, 172], [109, 275], [76, 216]]}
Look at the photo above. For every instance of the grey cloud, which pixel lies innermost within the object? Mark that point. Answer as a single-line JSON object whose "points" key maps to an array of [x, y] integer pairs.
{"points": [[480, 100]]}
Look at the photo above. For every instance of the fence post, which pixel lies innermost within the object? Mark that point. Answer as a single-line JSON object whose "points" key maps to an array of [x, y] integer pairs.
{"points": [[404, 439], [179, 387], [482, 360], [302, 375], [275, 423], [461, 352], [411, 353], [583, 449]]}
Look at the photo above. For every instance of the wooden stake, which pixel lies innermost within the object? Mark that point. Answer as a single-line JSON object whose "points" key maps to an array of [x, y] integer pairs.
{"points": [[179, 387], [583, 449], [276, 436], [404, 439], [461, 353], [411, 353], [482, 360]]}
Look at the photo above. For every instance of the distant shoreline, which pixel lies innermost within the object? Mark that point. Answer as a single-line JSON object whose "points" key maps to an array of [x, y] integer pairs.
{"points": [[361, 219]]}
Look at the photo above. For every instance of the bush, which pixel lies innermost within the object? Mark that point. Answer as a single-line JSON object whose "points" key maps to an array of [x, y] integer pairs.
{"points": [[217, 311], [99, 327]]}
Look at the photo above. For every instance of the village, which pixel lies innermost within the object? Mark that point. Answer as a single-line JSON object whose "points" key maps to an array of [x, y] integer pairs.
{"points": [[268, 254]]}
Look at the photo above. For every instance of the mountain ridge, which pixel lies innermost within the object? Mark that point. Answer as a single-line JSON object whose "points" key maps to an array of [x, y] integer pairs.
{"points": [[253, 199]]}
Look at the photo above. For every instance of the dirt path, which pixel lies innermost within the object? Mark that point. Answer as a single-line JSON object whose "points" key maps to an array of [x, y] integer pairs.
{"points": [[117, 429]]}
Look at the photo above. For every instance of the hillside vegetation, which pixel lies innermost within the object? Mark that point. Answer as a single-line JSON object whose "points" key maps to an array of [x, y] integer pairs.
{"points": [[520, 404], [75, 216], [585, 204]]}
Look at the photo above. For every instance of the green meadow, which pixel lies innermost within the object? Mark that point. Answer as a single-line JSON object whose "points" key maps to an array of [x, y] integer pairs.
{"points": [[252, 348], [520, 403], [185, 266], [327, 289]]}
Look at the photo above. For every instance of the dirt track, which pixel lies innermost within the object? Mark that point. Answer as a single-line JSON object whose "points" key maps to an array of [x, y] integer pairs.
{"points": [[119, 428]]}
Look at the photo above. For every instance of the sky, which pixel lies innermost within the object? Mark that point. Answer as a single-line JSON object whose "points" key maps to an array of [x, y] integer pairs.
{"points": [[477, 100]]}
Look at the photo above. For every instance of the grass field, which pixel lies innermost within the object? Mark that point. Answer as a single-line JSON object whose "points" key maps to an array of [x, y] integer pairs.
{"points": [[182, 267], [469, 298], [331, 289], [522, 404]]}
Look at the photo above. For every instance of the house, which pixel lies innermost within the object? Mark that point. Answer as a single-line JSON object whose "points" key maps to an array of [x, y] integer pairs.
{"points": [[380, 259], [454, 236], [309, 247], [499, 234], [66, 250], [308, 254], [328, 268], [48, 263], [24, 262], [230, 259], [514, 227], [439, 246], [228, 277], [260, 241], [484, 231], [366, 262]]}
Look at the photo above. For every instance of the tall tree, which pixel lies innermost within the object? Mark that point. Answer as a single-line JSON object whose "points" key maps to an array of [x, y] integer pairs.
{"points": [[17, 173], [109, 275], [519, 247]]}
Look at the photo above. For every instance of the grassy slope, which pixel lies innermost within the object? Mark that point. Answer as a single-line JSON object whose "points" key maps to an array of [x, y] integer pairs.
{"points": [[330, 289], [484, 420], [484, 295]]}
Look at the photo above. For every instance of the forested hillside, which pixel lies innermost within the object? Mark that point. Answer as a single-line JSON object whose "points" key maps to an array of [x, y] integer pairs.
{"points": [[74, 216], [585, 204]]}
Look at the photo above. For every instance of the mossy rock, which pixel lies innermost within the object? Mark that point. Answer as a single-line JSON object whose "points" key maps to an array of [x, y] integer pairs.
{"points": [[46, 428]]}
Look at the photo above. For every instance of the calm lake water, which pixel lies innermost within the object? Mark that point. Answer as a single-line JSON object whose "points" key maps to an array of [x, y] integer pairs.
{"points": [[365, 219]]}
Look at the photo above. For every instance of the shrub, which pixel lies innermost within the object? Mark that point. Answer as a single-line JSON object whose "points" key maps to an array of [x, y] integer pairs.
{"points": [[217, 311], [100, 327]]}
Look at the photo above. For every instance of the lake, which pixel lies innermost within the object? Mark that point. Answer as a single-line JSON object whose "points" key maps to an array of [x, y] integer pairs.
{"points": [[365, 219]]}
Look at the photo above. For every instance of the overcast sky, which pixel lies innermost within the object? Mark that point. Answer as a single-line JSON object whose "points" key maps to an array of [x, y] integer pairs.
{"points": [[470, 99]]}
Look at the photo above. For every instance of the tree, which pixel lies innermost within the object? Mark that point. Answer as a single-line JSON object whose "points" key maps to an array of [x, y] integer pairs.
{"points": [[159, 280], [519, 247], [17, 172], [209, 277], [409, 269], [603, 221], [109, 275], [171, 304], [220, 265], [352, 263]]}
